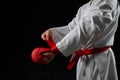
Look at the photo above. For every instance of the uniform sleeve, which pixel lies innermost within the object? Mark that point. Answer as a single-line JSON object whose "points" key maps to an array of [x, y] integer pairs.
{"points": [[69, 26], [59, 32], [85, 30], [76, 39]]}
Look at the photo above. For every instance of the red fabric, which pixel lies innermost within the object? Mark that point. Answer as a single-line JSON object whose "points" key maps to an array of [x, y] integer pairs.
{"points": [[51, 42], [37, 54], [85, 52], [53, 46]]}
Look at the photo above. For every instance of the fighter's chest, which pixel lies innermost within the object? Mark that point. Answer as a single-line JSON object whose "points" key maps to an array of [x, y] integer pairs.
{"points": [[85, 11]]}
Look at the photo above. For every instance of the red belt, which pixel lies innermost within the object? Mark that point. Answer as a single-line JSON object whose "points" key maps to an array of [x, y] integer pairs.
{"points": [[85, 52], [79, 53]]}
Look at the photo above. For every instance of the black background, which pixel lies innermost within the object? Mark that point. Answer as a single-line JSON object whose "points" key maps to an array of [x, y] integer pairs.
{"points": [[31, 22]]}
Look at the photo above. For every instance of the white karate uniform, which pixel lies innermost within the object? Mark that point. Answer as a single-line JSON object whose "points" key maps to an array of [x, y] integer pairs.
{"points": [[94, 26]]}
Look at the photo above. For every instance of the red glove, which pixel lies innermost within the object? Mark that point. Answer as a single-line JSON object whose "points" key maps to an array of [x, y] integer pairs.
{"points": [[37, 54]]}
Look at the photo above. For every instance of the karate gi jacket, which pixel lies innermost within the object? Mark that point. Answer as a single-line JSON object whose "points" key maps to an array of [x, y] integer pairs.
{"points": [[94, 26]]}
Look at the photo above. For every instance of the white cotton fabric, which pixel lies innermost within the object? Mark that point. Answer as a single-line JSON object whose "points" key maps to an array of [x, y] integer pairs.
{"points": [[94, 26]]}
